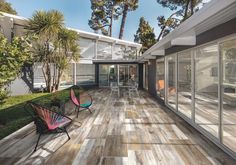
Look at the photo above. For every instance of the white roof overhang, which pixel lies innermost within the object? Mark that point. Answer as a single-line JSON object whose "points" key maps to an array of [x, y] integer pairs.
{"points": [[212, 14]]}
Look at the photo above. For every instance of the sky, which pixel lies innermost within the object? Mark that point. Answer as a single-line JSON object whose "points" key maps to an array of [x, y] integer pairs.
{"points": [[78, 12]]}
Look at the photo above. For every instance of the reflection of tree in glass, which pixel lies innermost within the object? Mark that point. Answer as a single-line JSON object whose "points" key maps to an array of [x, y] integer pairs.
{"points": [[230, 65]]}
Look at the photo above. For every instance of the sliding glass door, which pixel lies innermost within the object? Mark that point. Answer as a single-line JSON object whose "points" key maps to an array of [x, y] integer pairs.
{"points": [[228, 59], [185, 83], [206, 88], [171, 81]]}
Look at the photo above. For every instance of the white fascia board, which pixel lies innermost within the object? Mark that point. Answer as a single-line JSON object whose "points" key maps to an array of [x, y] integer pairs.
{"points": [[191, 40], [160, 52], [150, 57]]}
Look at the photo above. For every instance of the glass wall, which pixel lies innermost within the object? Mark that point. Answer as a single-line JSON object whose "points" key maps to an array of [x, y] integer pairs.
{"points": [[121, 74], [85, 74], [130, 53], [104, 75], [87, 48], [171, 81], [104, 50], [184, 83], [228, 56], [160, 78], [118, 52], [206, 88]]}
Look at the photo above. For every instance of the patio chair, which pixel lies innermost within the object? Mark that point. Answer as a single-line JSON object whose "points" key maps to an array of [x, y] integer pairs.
{"points": [[115, 88], [47, 121], [133, 89], [82, 103]]}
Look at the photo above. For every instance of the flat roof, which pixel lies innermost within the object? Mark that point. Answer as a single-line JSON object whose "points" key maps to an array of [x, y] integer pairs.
{"points": [[209, 16]]}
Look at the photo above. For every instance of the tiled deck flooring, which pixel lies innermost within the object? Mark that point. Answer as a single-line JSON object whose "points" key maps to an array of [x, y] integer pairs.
{"points": [[120, 131]]}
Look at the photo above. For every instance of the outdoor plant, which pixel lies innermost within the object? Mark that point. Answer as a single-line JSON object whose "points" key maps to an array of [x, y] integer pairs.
{"points": [[12, 57], [54, 46]]}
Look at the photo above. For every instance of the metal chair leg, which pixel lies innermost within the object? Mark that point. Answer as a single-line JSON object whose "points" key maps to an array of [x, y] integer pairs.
{"points": [[67, 133], [89, 110], [37, 142], [77, 112]]}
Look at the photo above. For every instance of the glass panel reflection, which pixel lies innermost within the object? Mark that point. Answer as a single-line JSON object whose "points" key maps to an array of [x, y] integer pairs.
{"points": [[171, 82], [228, 53], [85, 74], [104, 50], [87, 48], [160, 78], [206, 88], [184, 83]]}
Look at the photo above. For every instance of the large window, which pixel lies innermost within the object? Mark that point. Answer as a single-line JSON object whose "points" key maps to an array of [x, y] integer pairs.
{"points": [[228, 56], [206, 88], [171, 81], [184, 83], [85, 74], [160, 78], [87, 48], [104, 50]]}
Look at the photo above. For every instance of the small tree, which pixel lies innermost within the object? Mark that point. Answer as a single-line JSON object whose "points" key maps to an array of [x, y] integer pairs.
{"points": [[54, 46], [12, 56], [145, 35], [67, 49], [45, 26]]}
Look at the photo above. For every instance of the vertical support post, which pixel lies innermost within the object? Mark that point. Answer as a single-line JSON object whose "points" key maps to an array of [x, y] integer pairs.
{"points": [[220, 95], [74, 73], [193, 53], [176, 81], [96, 49], [166, 79]]}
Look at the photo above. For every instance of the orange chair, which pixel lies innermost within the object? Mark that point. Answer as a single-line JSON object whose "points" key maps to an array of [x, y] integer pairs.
{"points": [[161, 87]]}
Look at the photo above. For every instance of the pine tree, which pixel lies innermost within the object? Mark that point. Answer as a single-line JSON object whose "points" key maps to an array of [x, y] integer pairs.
{"points": [[126, 5], [104, 12], [6, 7], [187, 7], [145, 35]]}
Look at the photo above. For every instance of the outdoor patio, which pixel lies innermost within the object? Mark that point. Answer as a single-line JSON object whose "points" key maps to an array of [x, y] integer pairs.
{"points": [[120, 131]]}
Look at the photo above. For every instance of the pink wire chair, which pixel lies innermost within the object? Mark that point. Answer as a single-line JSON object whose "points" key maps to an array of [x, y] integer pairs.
{"points": [[47, 121], [82, 103]]}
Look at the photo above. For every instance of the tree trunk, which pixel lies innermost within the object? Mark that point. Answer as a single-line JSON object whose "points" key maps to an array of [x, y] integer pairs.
{"points": [[161, 33], [192, 7], [110, 27], [186, 10], [58, 79], [122, 26]]}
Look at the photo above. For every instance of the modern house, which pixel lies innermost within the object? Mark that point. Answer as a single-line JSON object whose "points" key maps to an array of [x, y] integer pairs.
{"points": [[192, 70], [102, 60]]}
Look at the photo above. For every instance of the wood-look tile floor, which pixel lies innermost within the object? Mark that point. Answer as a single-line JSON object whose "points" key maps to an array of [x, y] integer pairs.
{"points": [[129, 131]]}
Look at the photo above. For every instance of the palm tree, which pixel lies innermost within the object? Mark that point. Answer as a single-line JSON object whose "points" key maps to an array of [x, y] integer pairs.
{"points": [[45, 25], [128, 5], [67, 49]]}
